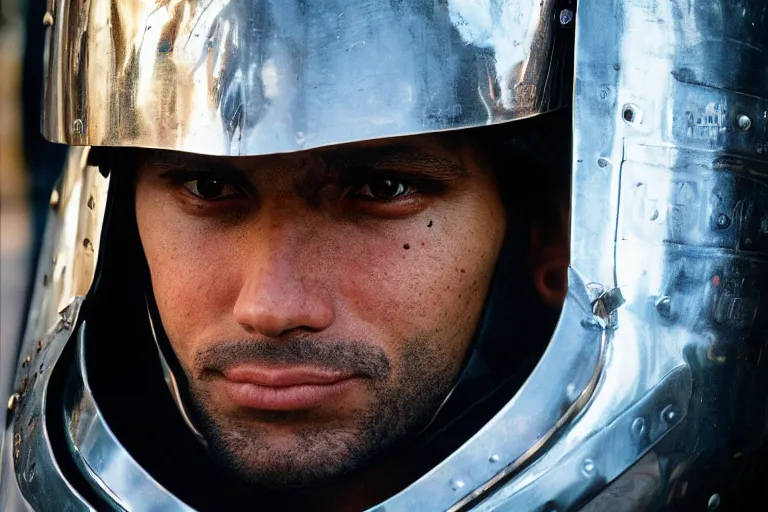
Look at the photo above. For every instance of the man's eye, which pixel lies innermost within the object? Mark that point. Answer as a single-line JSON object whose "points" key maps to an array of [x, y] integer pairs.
{"points": [[383, 189], [211, 188]]}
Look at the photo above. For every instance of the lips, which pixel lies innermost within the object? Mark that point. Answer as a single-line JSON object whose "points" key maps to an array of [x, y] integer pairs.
{"points": [[286, 389]]}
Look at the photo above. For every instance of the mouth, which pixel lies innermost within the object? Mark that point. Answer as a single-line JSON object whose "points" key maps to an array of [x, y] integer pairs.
{"points": [[283, 389]]}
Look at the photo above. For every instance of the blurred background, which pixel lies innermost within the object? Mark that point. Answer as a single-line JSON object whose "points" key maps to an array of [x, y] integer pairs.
{"points": [[29, 167]]}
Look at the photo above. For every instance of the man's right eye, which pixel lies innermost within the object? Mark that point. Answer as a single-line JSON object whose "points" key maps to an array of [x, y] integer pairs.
{"points": [[211, 189]]}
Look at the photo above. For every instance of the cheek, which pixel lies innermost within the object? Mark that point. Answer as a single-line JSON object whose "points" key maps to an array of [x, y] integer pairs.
{"points": [[426, 280], [193, 276]]}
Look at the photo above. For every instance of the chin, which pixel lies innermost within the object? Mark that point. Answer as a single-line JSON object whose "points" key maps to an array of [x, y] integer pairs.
{"points": [[288, 458]]}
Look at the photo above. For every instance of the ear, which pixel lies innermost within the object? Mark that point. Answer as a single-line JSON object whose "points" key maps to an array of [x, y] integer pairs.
{"points": [[549, 262]]}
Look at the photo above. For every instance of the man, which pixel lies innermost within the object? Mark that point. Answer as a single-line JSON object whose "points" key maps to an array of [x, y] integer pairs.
{"points": [[319, 303], [350, 286], [309, 359]]}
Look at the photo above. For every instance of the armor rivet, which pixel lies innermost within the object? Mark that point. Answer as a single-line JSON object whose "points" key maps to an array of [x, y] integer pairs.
{"points": [[12, 401], [602, 162], [77, 127], [745, 123], [39, 345], [457, 484], [655, 215], [47, 19], [566, 17], [26, 361], [631, 114], [664, 306], [588, 467], [714, 502], [54, 201], [91, 203], [87, 244], [638, 427], [723, 221], [669, 414], [493, 458]]}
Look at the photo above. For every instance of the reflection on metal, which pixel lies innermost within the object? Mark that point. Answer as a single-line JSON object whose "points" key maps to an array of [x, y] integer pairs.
{"points": [[558, 477], [107, 466], [31, 478], [526, 425], [67, 265], [669, 245], [674, 95], [12, 401], [54, 201], [64, 276], [245, 78], [670, 238], [172, 383]]}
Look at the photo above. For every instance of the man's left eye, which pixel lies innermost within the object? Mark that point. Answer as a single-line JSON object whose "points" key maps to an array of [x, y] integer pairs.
{"points": [[211, 189], [383, 189]]}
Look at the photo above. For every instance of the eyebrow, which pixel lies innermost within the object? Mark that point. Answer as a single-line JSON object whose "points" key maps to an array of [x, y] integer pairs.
{"points": [[167, 163], [385, 158], [398, 157]]}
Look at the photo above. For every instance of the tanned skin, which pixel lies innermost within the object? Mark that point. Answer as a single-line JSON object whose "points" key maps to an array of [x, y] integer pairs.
{"points": [[357, 274]]}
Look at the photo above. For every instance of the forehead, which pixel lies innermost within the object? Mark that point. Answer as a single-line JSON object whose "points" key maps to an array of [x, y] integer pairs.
{"points": [[436, 152]]}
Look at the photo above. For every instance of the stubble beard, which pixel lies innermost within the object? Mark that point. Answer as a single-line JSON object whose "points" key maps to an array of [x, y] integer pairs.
{"points": [[311, 455]]}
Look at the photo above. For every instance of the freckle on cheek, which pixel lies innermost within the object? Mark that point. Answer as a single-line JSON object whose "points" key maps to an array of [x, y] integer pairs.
{"points": [[407, 246]]}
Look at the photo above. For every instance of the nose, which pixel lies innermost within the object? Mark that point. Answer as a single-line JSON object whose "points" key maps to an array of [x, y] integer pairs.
{"points": [[279, 294]]}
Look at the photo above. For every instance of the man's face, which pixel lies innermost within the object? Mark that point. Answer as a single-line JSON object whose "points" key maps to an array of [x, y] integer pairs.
{"points": [[321, 304]]}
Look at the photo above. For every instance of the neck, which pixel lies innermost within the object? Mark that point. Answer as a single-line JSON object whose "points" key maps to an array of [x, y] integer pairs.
{"points": [[366, 488], [360, 491]]}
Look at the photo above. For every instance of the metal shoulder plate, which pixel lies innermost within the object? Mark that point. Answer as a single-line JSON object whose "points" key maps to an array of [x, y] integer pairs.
{"points": [[668, 253], [655, 369], [30, 477]]}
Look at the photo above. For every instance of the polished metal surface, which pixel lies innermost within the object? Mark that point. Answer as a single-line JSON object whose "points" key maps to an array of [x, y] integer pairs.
{"points": [[105, 464], [32, 478], [669, 236], [656, 368], [29, 473], [238, 77], [117, 477], [173, 384], [527, 424], [669, 206], [70, 245]]}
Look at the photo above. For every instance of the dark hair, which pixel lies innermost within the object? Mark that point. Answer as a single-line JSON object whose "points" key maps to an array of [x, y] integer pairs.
{"points": [[531, 161]]}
